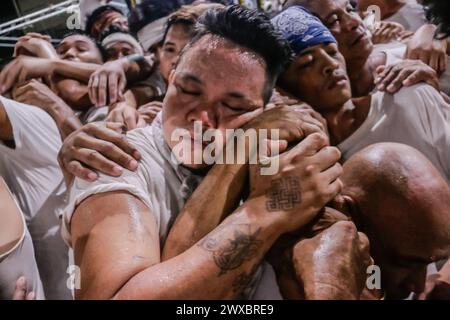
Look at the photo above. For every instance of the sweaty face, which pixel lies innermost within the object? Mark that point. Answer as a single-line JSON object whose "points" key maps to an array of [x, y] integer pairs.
{"points": [[120, 50], [176, 39], [79, 48], [323, 82], [347, 27], [218, 83]]}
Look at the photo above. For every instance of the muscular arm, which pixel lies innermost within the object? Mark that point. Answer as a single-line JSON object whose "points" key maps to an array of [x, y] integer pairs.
{"points": [[200, 215], [6, 132], [116, 245]]}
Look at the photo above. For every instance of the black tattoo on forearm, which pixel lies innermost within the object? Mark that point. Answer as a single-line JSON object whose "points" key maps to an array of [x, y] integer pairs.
{"points": [[231, 255], [283, 194], [243, 280]]}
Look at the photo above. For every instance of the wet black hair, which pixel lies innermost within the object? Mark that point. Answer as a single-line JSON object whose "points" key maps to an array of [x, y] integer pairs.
{"points": [[252, 30]]}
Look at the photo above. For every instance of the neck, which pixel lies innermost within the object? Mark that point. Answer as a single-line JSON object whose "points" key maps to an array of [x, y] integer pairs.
{"points": [[361, 76], [340, 122]]}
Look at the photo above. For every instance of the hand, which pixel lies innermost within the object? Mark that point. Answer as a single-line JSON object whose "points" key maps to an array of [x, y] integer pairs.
{"points": [[424, 47], [24, 68], [294, 122], [20, 292], [386, 32], [150, 110], [333, 264], [98, 146], [35, 44], [405, 73], [307, 178], [37, 94], [108, 83], [128, 116]]}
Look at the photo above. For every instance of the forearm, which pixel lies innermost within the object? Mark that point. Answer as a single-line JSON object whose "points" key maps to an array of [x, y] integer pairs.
{"points": [[224, 185], [64, 117], [218, 267], [75, 70]]}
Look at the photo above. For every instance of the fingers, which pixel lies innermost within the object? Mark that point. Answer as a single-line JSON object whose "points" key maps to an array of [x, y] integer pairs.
{"points": [[20, 290], [131, 118], [8, 76], [78, 170], [434, 62], [397, 83], [333, 173], [113, 87], [93, 158], [389, 75], [102, 90], [116, 138], [122, 84], [309, 146], [326, 158], [93, 88]]}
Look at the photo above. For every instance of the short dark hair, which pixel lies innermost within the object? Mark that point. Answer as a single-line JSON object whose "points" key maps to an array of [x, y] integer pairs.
{"points": [[250, 29], [188, 16], [79, 32], [97, 13], [438, 12]]}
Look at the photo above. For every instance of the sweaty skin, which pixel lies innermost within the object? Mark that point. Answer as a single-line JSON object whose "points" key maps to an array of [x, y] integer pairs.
{"points": [[400, 201]]}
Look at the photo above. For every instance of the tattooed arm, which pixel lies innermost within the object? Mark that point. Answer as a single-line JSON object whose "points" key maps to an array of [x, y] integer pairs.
{"points": [[116, 240], [216, 268]]}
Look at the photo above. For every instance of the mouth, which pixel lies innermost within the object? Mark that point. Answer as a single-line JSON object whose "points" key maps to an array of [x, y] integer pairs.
{"points": [[358, 39], [337, 81]]}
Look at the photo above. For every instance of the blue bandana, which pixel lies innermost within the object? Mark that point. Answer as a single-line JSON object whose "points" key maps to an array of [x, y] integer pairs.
{"points": [[302, 29]]}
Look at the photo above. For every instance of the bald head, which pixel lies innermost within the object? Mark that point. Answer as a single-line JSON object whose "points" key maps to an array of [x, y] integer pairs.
{"points": [[402, 203], [400, 195]]}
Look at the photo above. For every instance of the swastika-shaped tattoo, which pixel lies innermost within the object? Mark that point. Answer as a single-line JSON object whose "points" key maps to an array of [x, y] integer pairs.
{"points": [[284, 194]]}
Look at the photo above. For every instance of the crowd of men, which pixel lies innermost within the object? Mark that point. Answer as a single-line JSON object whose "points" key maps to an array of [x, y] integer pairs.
{"points": [[96, 202]]}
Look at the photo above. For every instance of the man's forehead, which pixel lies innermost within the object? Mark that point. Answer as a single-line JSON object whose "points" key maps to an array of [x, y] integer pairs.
{"points": [[76, 38], [323, 8], [214, 53]]}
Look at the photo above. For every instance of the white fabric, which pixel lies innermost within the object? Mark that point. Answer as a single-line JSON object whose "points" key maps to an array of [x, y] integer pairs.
{"points": [[411, 16], [32, 173], [416, 116], [396, 51], [160, 184], [18, 262]]}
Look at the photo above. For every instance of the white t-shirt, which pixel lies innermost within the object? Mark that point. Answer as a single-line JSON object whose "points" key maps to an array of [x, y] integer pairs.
{"points": [[31, 171], [396, 51], [164, 187], [416, 116], [411, 16]]}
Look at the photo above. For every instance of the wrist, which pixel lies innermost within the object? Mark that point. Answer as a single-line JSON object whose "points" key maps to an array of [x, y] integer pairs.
{"points": [[274, 223]]}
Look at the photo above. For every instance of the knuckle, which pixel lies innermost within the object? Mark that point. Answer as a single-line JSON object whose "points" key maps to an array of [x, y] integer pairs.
{"points": [[92, 156], [347, 227], [108, 147]]}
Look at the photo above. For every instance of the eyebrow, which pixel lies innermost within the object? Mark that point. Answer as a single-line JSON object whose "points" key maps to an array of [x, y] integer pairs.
{"points": [[191, 77]]}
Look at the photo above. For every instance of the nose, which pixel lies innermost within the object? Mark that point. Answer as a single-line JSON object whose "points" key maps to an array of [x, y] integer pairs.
{"points": [[352, 22], [69, 54], [204, 115], [330, 65]]}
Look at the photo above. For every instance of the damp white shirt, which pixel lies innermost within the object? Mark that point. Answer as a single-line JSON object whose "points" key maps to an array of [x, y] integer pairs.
{"points": [[411, 16], [416, 116]]}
